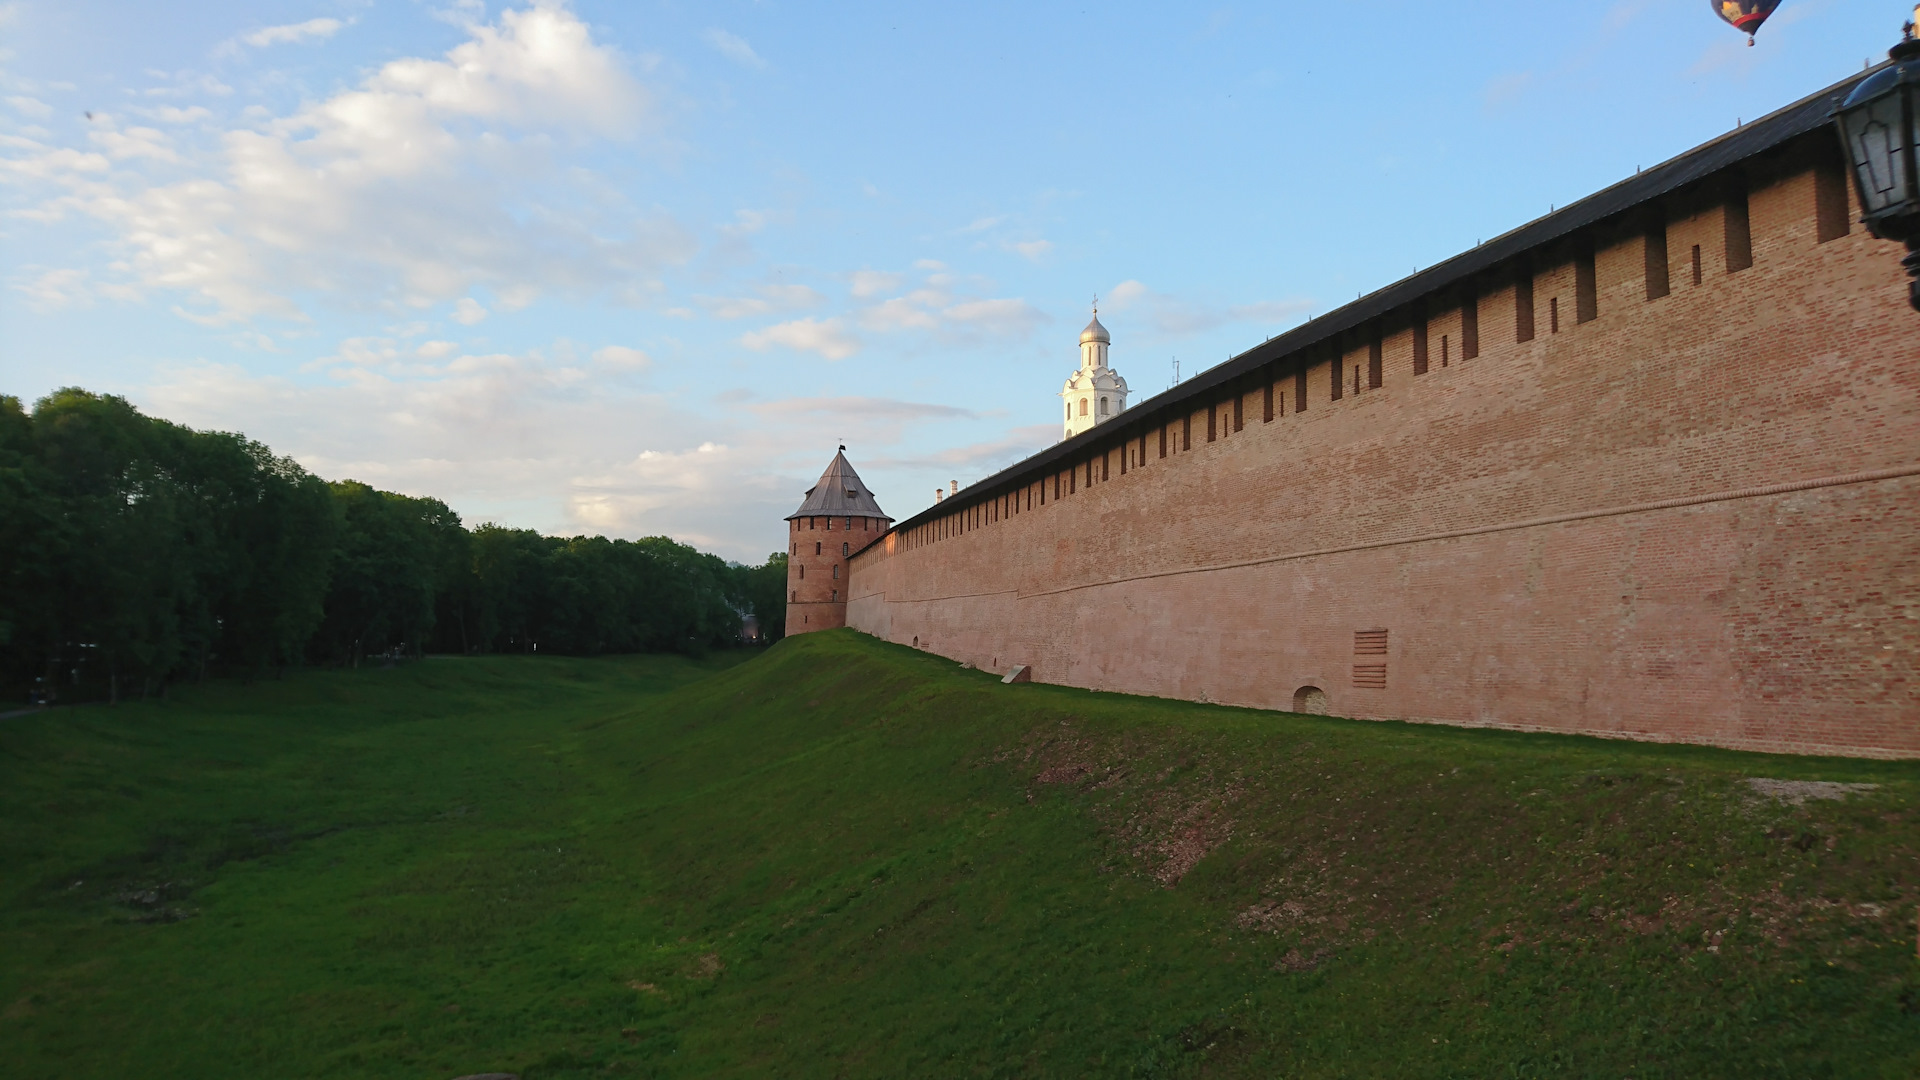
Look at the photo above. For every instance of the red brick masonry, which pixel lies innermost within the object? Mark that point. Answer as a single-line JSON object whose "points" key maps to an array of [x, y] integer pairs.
{"points": [[1690, 517], [817, 578]]}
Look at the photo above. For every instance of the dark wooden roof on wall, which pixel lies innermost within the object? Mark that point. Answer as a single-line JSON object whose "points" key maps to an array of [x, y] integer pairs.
{"points": [[1807, 115]]}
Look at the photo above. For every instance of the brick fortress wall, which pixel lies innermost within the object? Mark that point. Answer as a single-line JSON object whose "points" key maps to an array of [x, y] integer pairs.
{"points": [[1660, 481]]}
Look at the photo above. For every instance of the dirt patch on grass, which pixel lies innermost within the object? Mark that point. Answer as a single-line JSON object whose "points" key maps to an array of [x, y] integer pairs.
{"points": [[1167, 822], [1797, 792]]}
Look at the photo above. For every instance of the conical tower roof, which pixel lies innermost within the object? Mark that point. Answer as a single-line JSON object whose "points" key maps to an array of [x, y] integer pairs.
{"points": [[840, 492]]}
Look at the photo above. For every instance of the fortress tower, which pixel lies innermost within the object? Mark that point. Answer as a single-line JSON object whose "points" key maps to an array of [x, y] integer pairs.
{"points": [[837, 519], [1095, 393]]}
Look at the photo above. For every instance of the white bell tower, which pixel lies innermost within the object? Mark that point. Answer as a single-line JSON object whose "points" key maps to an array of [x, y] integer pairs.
{"points": [[1094, 393]]}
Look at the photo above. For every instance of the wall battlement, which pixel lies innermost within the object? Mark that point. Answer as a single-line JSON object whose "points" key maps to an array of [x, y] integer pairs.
{"points": [[1656, 475]]}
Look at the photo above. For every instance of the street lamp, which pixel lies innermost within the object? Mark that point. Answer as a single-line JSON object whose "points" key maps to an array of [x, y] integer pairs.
{"points": [[1879, 125]]}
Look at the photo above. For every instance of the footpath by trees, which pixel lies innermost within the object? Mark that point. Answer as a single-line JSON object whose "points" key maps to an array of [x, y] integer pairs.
{"points": [[135, 552]]}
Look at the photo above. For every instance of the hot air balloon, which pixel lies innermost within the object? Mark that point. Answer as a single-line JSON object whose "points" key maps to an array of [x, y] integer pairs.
{"points": [[1744, 15]]}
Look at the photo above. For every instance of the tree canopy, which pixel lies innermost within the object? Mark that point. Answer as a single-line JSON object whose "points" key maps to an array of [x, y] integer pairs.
{"points": [[135, 552]]}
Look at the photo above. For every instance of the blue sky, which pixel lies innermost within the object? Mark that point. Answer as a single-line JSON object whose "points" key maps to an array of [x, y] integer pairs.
{"points": [[635, 268]]}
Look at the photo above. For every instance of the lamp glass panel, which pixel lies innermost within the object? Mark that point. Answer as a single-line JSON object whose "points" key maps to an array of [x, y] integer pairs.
{"points": [[1877, 141]]}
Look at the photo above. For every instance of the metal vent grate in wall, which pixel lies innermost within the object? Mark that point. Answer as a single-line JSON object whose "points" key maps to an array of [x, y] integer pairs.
{"points": [[1373, 674]]}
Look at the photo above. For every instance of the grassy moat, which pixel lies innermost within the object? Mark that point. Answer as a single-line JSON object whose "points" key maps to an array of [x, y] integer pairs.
{"points": [[844, 858]]}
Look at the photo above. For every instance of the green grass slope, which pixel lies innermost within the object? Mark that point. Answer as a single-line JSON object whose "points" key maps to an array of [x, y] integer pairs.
{"points": [[849, 859]]}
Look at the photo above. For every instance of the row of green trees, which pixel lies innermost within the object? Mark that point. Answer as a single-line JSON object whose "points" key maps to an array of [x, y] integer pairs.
{"points": [[135, 552]]}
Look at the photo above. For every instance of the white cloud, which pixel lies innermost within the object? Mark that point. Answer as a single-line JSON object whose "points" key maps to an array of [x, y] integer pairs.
{"points": [[874, 421], [40, 162], [865, 283], [745, 223], [996, 318], [773, 297], [431, 177], [734, 48], [934, 308], [1172, 316], [311, 30], [793, 296], [135, 142], [9, 13], [899, 313], [622, 358], [187, 83], [828, 337], [468, 312], [861, 409], [734, 307], [173, 114], [978, 459], [28, 106], [57, 289], [983, 224], [531, 439], [1032, 250]]}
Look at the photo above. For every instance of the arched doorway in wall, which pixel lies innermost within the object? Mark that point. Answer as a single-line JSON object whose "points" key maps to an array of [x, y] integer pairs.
{"points": [[1310, 700]]}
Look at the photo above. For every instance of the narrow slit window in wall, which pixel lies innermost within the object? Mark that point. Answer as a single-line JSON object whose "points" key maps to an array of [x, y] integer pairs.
{"points": [[1211, 413], [1420, 347], [1658, 284], [1073, 480], [1523, 306], [1300, 389], [1443, 350], [1266, 406], [1339, 379], [1586, 287], [1126, 452], [1376, 363], [1186, 432], [1238, 399], [1470, 327], [1163, 440], [1696, 264], [1739, 232], [1105, 457], [1830, 200], [1553, 315]]}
